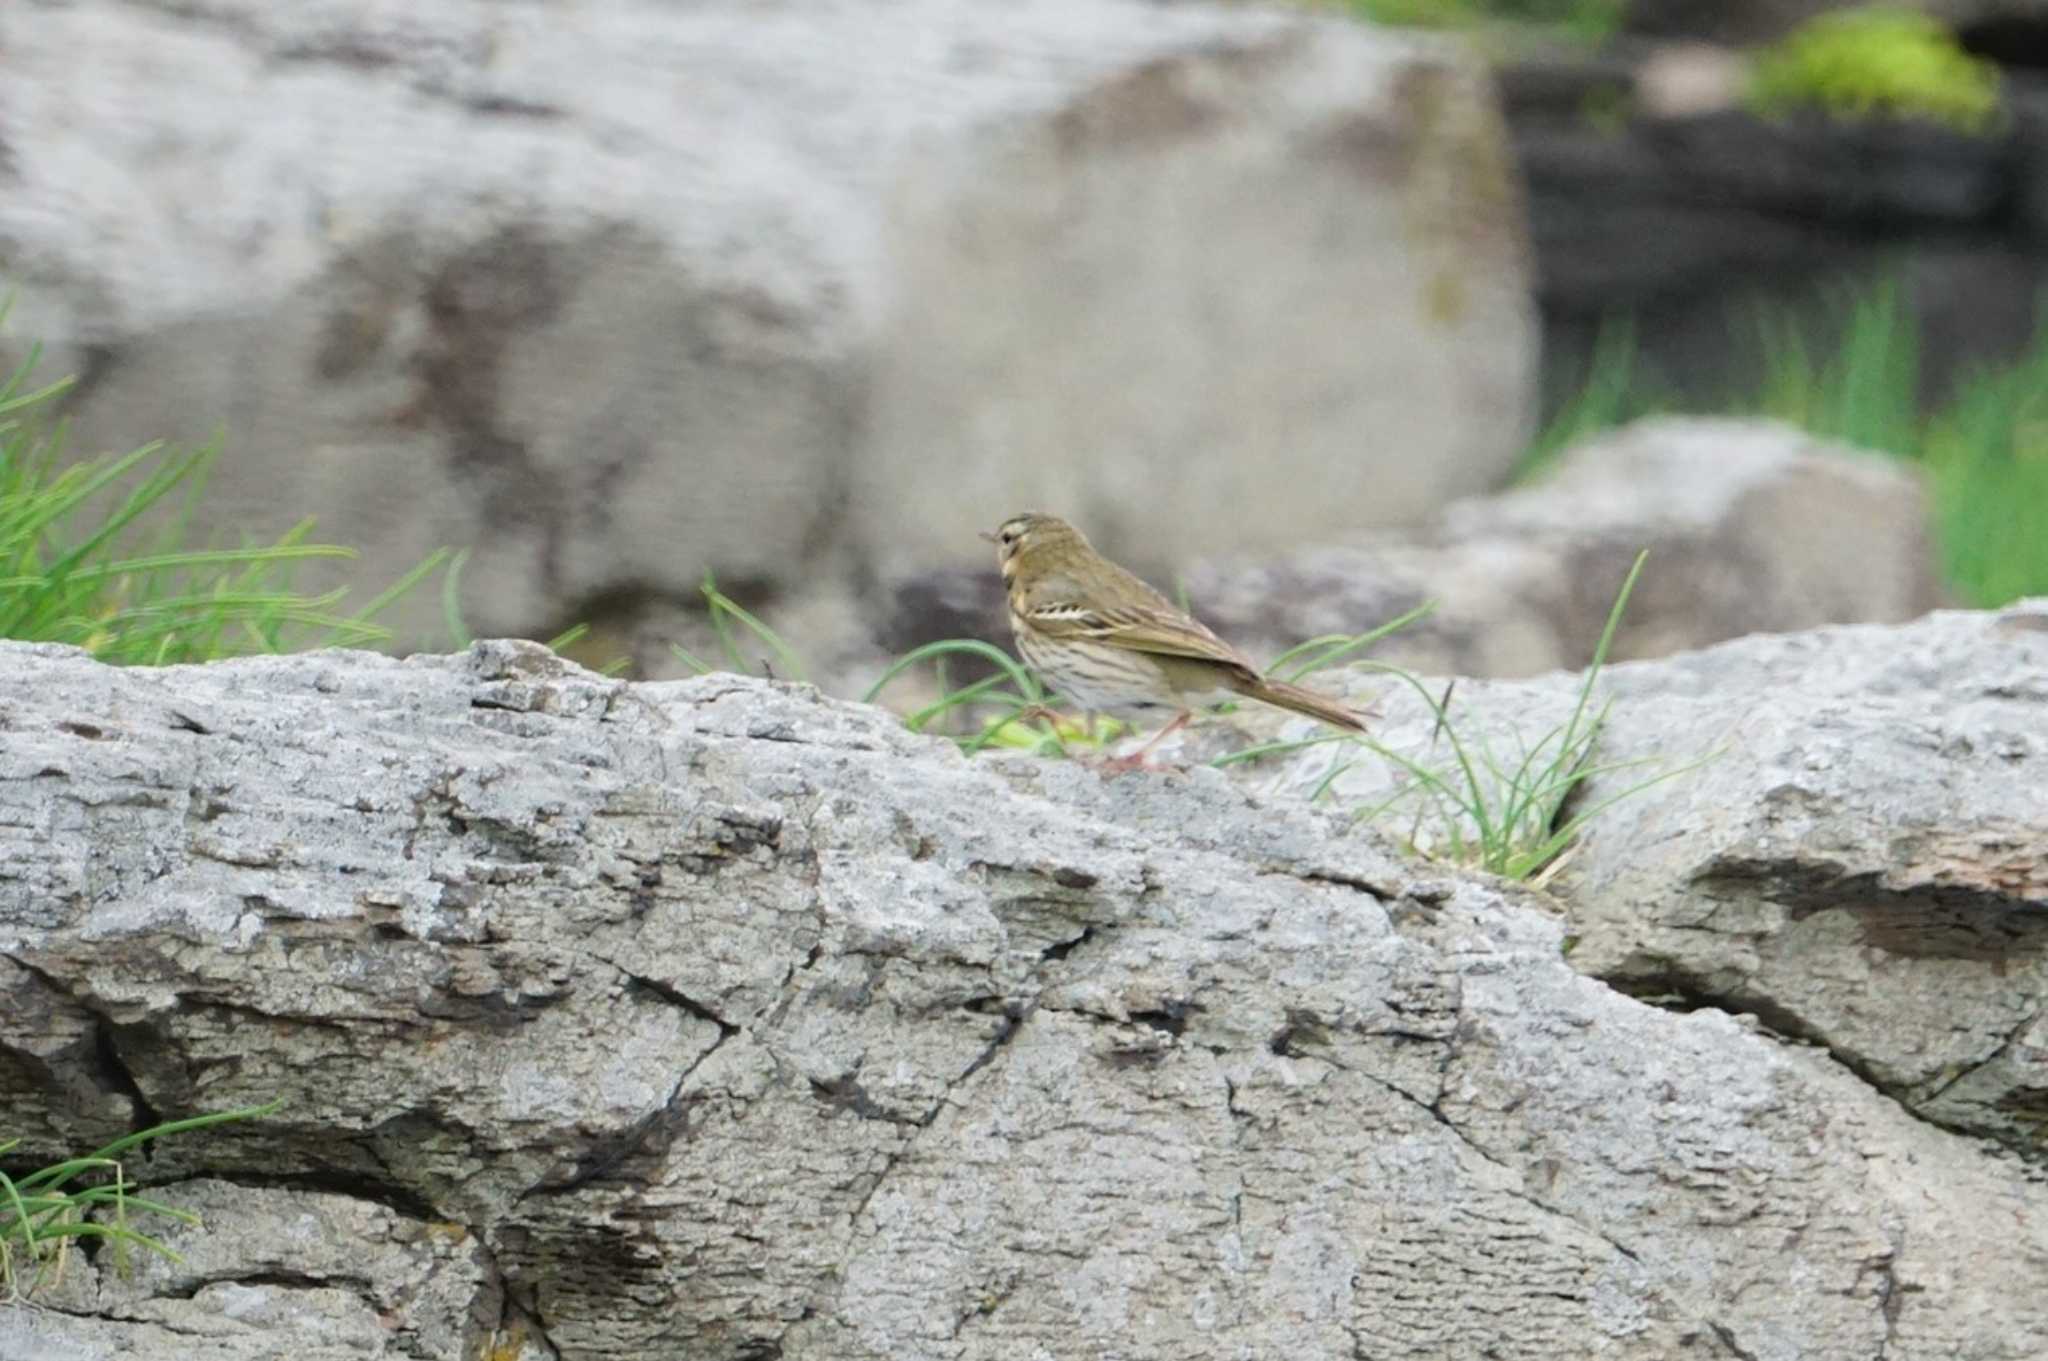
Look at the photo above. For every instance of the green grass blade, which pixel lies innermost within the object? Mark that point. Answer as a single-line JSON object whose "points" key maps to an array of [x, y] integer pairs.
{"points": [[64, 1171], [1331, 648], [722, 605], [974, 647], [568, 637], [692, 660], [1253, 753], [1606, 643], [384, 599], [459, 636]]}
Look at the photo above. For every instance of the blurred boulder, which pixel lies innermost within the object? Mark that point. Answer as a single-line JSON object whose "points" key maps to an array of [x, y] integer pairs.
{"points": [[1751, 526], [613, 294]]}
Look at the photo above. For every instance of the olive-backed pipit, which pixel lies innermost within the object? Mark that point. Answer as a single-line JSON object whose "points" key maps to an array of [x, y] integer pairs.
{"points": [[1111, 644]]}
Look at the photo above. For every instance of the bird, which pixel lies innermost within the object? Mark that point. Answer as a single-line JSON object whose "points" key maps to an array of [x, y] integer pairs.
{"points": [[1102, 638]]}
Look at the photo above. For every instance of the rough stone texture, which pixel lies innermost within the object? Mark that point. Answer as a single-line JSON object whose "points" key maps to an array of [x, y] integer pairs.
{"points": [[1751, 526], [614, 293], [1862, 862], [712, 1019]]}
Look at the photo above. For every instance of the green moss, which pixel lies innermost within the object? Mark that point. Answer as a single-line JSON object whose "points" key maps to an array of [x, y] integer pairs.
{"points": [[1864, 63]]}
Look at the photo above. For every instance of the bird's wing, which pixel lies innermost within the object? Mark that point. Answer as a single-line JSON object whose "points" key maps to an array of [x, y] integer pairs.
{"points": [[1141, 628]]}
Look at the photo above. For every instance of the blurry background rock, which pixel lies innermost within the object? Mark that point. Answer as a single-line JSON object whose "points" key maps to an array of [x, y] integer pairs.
{"points": [[804, 294]]}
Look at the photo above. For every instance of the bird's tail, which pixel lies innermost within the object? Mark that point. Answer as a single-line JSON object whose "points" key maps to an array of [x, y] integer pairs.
{"points": [[1305, 702]]}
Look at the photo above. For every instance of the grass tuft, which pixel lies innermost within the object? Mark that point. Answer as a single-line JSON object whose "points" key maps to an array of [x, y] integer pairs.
{"points": [[1509, 817], [1506, 816], [77, 567], [1987, 456], [44, 1213], [1866, 392]]}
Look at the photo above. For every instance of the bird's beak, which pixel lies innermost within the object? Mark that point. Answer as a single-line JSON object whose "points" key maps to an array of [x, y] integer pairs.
{"points": [[987, 535]]}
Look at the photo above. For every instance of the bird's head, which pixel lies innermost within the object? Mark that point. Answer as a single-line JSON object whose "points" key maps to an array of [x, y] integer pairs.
{"points": [[1032, 540]]}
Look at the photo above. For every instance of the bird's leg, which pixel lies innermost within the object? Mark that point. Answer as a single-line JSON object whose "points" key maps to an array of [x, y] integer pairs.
{"points": [[1039, 713], [1136, 760]]}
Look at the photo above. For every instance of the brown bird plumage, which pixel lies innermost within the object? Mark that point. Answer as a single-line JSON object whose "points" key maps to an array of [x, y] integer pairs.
{"points": [[1108, 642]]}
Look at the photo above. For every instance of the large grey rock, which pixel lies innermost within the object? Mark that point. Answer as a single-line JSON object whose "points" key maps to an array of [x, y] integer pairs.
{"points": [[1751, 526], [612, 294], [1852, 842], [712, 1019], [1866, 865]]}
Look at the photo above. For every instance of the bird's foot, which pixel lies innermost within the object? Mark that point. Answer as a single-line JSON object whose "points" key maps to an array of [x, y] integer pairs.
{"points": [[1119, 765]]}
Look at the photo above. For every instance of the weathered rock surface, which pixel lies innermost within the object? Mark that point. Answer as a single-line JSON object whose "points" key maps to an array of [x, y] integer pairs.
{"points": [[712, 1019], [1751, 526], [1862, 860], [615, 293]]}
